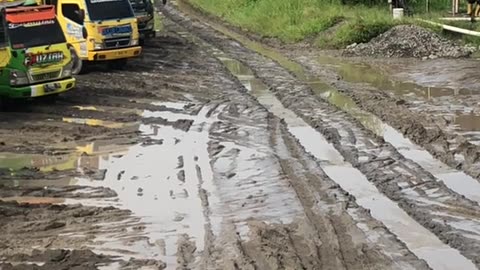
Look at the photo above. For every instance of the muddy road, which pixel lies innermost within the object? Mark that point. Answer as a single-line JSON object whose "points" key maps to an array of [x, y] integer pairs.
{"points": [[211, 151]]}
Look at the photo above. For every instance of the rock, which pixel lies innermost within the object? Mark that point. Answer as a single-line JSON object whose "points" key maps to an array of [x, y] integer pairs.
{"points": [[351, 46]]}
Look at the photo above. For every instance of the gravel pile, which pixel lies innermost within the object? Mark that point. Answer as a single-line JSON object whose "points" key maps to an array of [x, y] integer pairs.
{"points": [[408, 41]]}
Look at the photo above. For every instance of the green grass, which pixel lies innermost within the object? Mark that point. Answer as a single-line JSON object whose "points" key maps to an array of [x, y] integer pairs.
{"points": [[289, 21], [295, 20]]}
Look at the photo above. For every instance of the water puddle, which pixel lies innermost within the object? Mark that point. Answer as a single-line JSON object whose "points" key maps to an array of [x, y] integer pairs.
{"points": [[161, 183], [366, 73], [455, 180], [418, 239]]}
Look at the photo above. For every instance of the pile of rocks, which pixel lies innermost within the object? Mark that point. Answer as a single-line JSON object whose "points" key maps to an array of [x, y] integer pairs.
{"points": [[408, 41]]}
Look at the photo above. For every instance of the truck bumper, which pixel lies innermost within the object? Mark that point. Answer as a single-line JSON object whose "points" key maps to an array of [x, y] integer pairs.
{"points": [[41, 89], [114, 54]]}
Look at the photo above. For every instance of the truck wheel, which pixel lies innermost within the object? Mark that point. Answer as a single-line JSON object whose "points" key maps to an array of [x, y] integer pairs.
{"points": [[79, 66], [118, 64]]}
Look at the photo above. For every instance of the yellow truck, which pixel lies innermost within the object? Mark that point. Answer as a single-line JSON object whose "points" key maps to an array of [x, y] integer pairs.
{"points": [[99, 30], [35, 59]]}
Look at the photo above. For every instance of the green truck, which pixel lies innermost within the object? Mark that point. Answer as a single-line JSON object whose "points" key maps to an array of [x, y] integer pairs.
{"points": [[35, 59]]}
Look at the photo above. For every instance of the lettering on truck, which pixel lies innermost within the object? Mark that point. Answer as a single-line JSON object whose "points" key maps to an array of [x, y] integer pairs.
{"points": [[30, 24], [116, 30], [43, 58]]}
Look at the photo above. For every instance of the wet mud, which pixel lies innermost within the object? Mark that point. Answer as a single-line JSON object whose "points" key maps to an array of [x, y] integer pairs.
{"points": [[203, 154], [414, 188]]}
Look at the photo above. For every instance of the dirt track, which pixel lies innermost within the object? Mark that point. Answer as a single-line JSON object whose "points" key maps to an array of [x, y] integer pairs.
{"points": [[205, 154]]}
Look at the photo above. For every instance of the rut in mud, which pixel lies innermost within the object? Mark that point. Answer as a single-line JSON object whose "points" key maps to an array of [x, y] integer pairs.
{"points": [[202, 154]]}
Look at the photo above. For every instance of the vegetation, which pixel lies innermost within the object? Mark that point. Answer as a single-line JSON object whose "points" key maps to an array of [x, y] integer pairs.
{"points": [[353, 21]]}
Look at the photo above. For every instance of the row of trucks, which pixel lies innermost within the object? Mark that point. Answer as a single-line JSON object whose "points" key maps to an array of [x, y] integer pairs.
{"points": [[44, 43]]}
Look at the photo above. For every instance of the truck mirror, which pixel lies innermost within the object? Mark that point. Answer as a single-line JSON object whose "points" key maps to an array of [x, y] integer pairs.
{"points": [[81, 15]]}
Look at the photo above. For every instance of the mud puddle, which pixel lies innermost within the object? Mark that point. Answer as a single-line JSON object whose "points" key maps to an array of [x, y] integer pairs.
{"points": [[457, 74], [454, 179], [161, 182], [365, 73], [418, 86], [418, 239]]}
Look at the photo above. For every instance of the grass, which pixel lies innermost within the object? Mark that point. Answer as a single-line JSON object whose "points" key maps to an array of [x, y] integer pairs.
{"points": [[296, 20]]}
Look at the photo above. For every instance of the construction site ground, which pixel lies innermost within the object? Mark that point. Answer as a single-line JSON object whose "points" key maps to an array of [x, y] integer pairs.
{"points": [[213, 151]]}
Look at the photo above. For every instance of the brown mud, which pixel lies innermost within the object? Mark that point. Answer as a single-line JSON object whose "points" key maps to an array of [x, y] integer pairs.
{"points": [[176, 163], [403, 181]]}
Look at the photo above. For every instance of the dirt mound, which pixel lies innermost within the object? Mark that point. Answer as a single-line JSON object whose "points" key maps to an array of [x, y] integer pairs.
{"points": [[408, 41]]}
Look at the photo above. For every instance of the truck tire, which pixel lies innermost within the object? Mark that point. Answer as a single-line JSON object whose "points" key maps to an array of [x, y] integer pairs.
{"points": [[79, 66]]}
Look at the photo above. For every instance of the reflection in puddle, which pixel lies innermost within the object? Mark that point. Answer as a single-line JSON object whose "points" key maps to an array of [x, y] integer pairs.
{"points": [[153, 183], [94, 122], [88, 108], [468, 122], [78, 160], [43, 163], [419, 240], [34, 200], [39, 183]]}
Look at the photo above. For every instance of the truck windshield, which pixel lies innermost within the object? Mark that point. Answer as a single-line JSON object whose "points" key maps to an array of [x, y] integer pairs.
{"points": [[32, 34], [140, 5], [100, 10]]}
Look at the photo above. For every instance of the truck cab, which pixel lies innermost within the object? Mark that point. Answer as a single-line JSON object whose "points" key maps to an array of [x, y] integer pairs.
{"points": [[145, 13], [99, 30], [34, 57]]}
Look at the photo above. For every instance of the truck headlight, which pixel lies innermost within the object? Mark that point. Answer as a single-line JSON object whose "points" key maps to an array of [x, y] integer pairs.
{"points": [[134, 42], [18, 77], [96, 45]]}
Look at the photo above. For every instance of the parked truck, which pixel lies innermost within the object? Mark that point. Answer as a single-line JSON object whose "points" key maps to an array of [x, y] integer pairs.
{"points": [[99, 30], [34, 57], [145, 13]]}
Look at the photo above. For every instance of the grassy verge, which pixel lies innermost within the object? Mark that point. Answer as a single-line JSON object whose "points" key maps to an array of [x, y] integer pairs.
{"points": [[296, 20]]}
